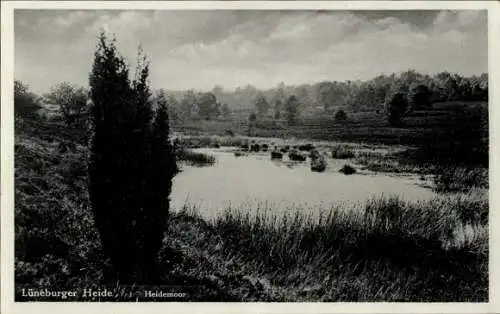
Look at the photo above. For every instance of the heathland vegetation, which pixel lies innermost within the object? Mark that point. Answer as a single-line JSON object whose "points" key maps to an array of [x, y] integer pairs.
{"points": [[92, 185]]}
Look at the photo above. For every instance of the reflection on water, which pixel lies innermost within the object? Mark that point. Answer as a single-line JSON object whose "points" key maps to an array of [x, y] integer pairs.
{"points": [[255, 179]]}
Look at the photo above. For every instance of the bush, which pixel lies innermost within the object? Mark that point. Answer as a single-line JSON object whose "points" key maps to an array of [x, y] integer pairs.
{"points": [[131, 165]]}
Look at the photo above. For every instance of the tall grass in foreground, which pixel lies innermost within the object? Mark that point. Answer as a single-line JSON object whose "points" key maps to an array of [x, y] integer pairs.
{"points": [[388, 250]]}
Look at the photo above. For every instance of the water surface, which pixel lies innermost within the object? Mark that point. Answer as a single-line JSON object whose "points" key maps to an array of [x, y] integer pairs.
{"points": [[254, 180]]}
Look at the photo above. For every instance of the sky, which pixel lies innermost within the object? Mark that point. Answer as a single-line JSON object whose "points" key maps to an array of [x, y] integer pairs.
{"points": [[199, 49]]}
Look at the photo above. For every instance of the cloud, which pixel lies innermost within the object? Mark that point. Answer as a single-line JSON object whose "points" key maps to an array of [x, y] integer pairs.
{"points": [[198, 49]]}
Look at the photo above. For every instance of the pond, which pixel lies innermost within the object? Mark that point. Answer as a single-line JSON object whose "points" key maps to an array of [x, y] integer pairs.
{"points": [[254, 180]]}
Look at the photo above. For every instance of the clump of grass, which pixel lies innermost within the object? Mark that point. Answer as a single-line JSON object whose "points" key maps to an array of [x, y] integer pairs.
{"points": [[342, 152], [276, 155], [195, 158], [212, 141], [460, 179], [295, 155], [318, 162], [393, 165], [347, 169]]}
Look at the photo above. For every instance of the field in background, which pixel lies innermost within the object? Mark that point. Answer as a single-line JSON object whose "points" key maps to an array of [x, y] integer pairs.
{"points": [[366, 127]]}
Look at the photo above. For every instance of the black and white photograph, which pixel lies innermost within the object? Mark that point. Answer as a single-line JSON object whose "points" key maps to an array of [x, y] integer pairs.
{"points": [[248, 155]]}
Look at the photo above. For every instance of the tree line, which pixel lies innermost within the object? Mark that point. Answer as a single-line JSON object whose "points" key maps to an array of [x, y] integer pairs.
{"points": [[288, 102], [395, 94]]}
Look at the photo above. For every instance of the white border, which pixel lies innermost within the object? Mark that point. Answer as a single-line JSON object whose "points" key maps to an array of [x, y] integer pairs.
{"points": [[7, 163]]}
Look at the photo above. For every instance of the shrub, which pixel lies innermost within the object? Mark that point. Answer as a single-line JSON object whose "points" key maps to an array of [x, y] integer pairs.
{"points": [[131, 165]]}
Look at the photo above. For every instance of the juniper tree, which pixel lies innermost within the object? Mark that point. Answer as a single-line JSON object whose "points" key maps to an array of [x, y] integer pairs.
{"points": [[130, 165]]}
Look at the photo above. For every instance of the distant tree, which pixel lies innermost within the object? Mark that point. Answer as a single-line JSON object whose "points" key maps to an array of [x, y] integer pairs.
{"points": [[174, 108], [382, 85], [419, 97], [292, 109], [207, 104], [407, 79], [25, 102], [217, 111], [72, 103], [218, 90], [365, 95], [278, 107], [279, 100], [340, 115], [131, 165], [304, 96], [262, 105], [396, 107], [188, 104], [330, 95], [226, 112]]}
